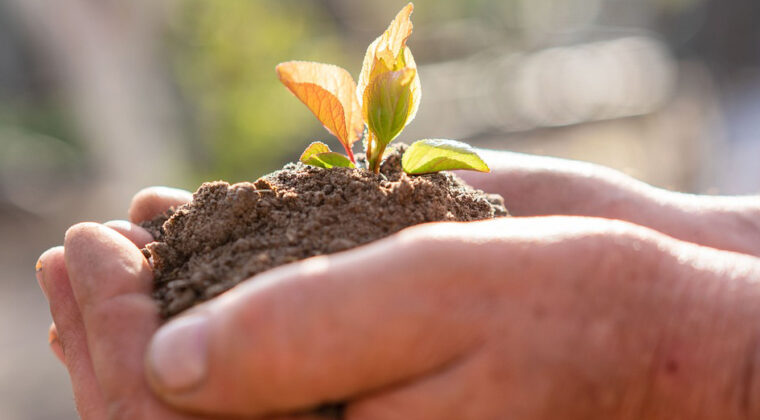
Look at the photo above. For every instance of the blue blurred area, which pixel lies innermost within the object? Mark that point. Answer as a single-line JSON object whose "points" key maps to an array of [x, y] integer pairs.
{"points": [[99, 99]]}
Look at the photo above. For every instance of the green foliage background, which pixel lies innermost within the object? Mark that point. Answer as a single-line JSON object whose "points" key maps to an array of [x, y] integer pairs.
{"points": [[224, 53], [239, 121], [242, 121]]}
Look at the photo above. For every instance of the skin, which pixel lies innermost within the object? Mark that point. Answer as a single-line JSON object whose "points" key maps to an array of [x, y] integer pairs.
{"points": [[525, 318], [536, 186]]}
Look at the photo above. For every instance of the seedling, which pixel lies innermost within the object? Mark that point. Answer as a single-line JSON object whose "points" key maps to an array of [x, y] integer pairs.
{"points": [[385, 101]]}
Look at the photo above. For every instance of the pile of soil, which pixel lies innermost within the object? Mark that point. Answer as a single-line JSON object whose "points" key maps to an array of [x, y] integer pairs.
{"points": [[229, 233]]}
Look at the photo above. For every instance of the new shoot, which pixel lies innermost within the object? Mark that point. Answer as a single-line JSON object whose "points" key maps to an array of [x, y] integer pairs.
{"points": [[384, 101]]}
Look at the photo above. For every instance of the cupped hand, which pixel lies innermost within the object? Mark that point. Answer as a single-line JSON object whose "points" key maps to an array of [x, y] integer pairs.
{"points": [[524, 318], [535, 318], [99, 285]]}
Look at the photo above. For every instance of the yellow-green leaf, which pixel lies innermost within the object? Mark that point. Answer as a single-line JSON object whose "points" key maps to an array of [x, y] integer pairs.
{"points": [[387, 48], [329, 160], [388, 104], [389, 53], [314, 149], [330, 93], [435, 155], [416, 86]]}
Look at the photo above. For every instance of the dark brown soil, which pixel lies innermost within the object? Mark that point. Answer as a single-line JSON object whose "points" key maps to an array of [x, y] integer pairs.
{"points": [[229, 233]]}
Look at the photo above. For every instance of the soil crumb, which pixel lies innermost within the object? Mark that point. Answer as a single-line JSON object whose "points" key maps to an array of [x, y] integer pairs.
{"points": [[229, 233]]}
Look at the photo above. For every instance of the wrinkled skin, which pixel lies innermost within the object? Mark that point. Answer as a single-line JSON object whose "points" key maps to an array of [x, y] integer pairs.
{"points": [[650, 316]]}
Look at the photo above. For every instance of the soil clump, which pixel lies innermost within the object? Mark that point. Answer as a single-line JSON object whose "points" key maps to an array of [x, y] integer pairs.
{"points": [[229, 233]]}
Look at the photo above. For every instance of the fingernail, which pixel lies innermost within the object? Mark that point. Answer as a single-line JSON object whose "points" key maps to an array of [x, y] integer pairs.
{"points": [[55, 344], [176, 193], [178, 353], [119, 225], [38, 274], [52, 334]]}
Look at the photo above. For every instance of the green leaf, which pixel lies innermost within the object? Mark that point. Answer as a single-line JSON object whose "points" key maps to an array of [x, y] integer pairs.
{"points": [[329, 160], [313, 149], [428, 156], [388, 104]]}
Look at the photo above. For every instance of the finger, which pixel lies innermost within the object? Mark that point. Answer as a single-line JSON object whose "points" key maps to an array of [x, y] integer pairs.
{"points": [[139, 236], [53, 340], [55, 343], [111, 282], [70, 333], [311, 333], [152, 201]]}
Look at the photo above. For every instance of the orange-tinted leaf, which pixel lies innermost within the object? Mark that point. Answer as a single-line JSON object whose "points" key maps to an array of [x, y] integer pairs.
{"points": [[330, 93], [385, 53], [393, 40]]}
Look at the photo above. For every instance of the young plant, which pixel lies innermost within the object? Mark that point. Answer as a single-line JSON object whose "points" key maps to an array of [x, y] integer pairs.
{"points": [[385, 102]]}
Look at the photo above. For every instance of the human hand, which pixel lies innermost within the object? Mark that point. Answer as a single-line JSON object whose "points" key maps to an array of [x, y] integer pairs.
{"points": [[99, 287], [579, 189], [537, 185], [535, 318]]}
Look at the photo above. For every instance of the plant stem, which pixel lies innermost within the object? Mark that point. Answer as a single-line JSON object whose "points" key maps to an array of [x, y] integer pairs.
{"points": [[375, 152], [377, 158], [368, 151]]}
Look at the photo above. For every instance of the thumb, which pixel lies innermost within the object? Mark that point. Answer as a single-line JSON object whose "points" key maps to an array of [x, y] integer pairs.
{"points": [[314, 332]]}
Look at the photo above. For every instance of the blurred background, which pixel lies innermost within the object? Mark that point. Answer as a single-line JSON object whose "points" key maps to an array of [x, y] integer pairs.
{"points": [[101, 98]]}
